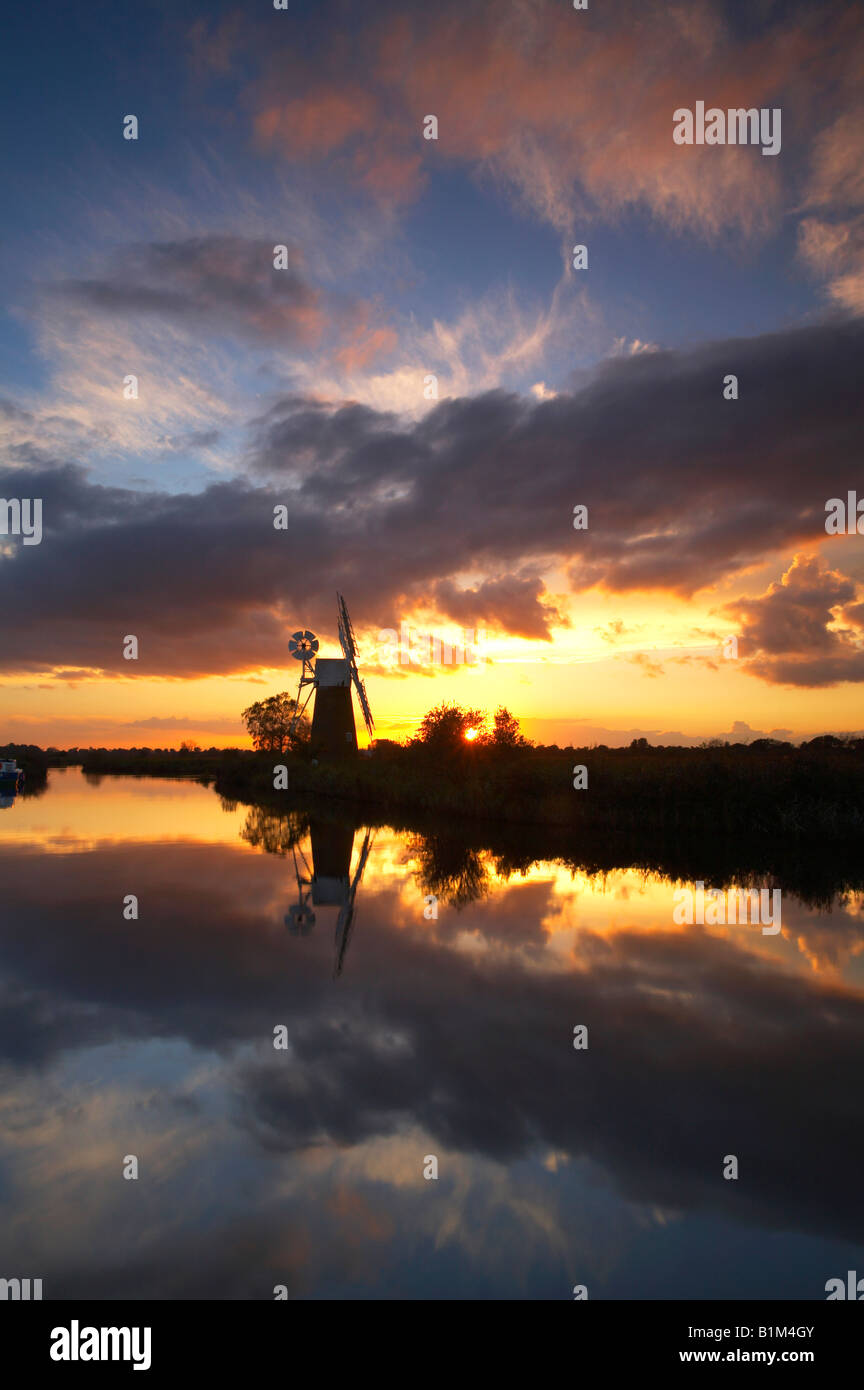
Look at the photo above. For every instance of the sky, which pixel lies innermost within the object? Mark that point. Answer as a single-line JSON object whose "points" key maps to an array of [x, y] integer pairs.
{"points": [[419, 377]]}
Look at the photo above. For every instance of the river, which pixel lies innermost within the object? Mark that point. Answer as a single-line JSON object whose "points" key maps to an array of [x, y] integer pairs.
{"points": [[290, 1023]]}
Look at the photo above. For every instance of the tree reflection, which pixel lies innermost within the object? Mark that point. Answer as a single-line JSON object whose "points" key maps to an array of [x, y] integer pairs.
{"points": [[273, 833], [447, 867]]}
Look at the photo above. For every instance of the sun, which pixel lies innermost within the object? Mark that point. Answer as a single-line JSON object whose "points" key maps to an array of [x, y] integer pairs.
{"points": [[471, 734]]}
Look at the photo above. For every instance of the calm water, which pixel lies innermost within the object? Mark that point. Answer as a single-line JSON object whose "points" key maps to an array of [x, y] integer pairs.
{"points": [[407, 1037]]}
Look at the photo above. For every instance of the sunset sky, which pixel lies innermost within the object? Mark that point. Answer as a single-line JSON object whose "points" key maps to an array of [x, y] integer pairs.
{"points": [[408, 258]]}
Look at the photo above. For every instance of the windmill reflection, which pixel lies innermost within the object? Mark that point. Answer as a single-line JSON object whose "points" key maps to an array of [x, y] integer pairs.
{"points": [[328, 882]]}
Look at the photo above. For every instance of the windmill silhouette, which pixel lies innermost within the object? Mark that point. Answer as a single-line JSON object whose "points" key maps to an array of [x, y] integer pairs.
{"points": [[331, 680]]}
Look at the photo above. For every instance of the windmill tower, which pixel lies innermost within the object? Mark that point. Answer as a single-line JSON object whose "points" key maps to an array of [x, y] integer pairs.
{"points": [[331, 678]]}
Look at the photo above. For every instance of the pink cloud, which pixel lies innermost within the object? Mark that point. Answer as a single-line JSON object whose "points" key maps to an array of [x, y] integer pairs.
{"points": [[540, 100]]}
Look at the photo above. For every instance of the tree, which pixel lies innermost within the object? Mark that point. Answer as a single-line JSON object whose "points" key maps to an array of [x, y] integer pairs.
{"points": [[268, 722], [506, 732], [445, 727]]}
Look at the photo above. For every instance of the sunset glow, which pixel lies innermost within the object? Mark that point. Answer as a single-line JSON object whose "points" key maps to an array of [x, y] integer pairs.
{"points": [[378, 324]]}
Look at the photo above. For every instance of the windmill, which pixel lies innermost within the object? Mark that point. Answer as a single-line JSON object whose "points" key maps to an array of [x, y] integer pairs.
{"points": [[333, 728]]}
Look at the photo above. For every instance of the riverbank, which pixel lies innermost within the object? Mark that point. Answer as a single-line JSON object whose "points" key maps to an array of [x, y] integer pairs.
{"points": [[814, 792]]}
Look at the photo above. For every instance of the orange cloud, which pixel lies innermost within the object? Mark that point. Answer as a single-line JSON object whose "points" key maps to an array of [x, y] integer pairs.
{"points": [[318, 123], [368, 345]]}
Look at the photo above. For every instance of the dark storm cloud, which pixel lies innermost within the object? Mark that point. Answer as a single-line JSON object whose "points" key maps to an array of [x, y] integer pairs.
{"points": [[683, 489], [70, 501], [332, 449], [688, 1059], [193, 577], [516, 602]]}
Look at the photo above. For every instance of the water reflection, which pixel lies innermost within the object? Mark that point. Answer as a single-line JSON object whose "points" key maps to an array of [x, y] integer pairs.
{"points": [[450, 1036], [448, 868], [328, 882]]}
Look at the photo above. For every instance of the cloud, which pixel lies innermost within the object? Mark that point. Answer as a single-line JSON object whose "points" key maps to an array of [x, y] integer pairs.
{"points": [[175, 315], [835, 250], [649, 667], [621, 347], [516, 603], [495, 340], [367, 345], [836, 174], [787, 637], [195, 439], [570, 138], [615, 631], [224, 284], [684, 490], [831, 242]]}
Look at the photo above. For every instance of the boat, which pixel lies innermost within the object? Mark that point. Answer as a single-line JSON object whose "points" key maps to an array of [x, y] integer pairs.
{"points": [[11, 777]]}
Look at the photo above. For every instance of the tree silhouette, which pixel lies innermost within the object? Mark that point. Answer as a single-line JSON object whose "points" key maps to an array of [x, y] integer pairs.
{"points": [[443, 728], [506, 732], [269, 722]]}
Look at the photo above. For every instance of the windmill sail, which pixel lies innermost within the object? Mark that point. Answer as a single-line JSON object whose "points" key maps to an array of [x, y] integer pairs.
{"points": [[364, 700], [349, 646], [346, 631]]}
